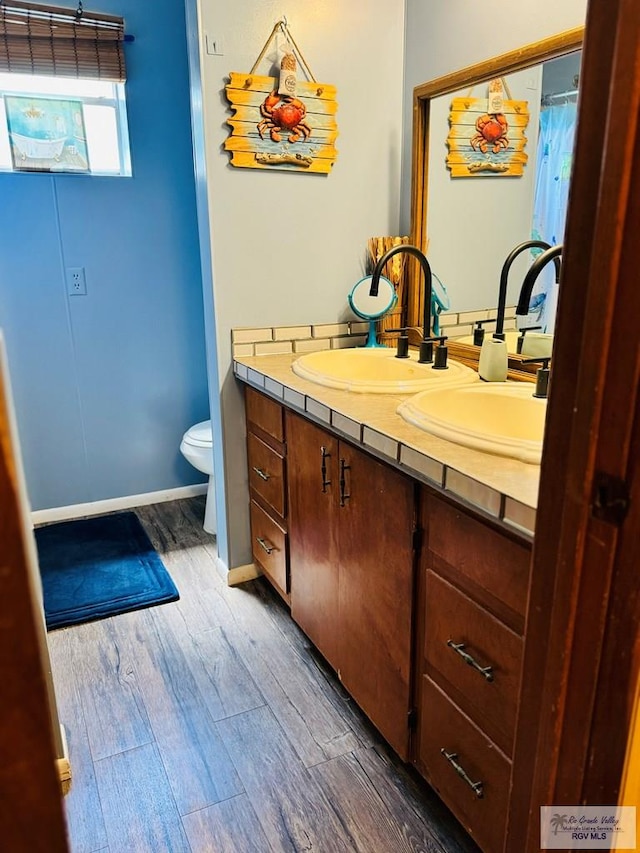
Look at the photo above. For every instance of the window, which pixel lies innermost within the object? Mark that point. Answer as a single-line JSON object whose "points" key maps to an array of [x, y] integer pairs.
{"points": [[62, 101]]}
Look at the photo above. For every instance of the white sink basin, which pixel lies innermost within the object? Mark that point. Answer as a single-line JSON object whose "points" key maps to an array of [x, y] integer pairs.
{"points": [[377, 371], [501, 418]]}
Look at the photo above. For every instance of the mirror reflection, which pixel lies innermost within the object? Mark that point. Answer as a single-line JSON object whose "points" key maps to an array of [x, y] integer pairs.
{"points": [[471, 224]]}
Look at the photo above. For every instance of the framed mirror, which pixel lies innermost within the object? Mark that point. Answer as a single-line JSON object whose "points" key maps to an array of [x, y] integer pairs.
{"points": [[468, 225]]}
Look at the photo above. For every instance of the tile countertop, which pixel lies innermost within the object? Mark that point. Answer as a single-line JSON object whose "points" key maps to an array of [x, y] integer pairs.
{"points": [[505, 489]]}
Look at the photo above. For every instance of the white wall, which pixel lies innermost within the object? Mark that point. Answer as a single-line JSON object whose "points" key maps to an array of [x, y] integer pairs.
{"points": [[287, 248], [443, 36]]}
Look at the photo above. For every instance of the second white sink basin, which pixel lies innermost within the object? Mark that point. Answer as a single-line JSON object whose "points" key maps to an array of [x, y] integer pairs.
{"points": [[377, 371], [501, 418]]}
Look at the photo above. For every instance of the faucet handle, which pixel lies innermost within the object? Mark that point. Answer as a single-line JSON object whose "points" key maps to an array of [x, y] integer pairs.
{"points": [[523, 331], [426, 348], [478, 332], [542, 375]]}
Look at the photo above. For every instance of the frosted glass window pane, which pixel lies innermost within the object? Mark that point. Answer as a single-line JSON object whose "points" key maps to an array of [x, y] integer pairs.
{"points": [[102, 138], [32, 83]]}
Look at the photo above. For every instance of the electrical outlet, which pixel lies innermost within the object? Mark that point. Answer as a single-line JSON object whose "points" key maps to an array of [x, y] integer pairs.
{"points": [[76, 282]]}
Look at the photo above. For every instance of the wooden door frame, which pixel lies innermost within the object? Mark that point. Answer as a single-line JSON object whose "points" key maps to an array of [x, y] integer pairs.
{"points": [[582, 652], [31, 813]]}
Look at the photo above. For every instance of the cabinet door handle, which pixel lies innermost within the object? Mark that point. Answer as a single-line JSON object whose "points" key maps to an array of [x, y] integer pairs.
{"points": [[344, 495], [262, 474], [323, 468], [486, 671], [265, 545], [478, 787]]}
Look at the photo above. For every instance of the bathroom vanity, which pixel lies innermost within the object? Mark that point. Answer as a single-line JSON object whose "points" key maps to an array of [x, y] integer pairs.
{"points": [[415, 597]]}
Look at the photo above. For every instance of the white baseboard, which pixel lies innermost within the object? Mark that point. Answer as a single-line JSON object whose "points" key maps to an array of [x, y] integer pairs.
{"points": [[66, 513]]}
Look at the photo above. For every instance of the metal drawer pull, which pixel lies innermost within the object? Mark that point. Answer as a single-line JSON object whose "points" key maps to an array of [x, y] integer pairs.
{"points": [[323, 468], [262, 474], [478, 787], [344, 496], [487, 671], [265, 545]]}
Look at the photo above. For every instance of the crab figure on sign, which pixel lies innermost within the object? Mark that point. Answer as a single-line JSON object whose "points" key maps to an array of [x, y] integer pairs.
{"points": [[280, 121], [283, 113], [486, 135]]}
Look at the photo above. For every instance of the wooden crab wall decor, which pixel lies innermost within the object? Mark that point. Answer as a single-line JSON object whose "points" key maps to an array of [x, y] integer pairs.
{"points": [[482, 143], [275, 131]]}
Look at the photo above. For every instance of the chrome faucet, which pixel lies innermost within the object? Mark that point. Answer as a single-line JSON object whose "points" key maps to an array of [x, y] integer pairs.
{"points": [[504, 277], [426, 348], [552, 254]]}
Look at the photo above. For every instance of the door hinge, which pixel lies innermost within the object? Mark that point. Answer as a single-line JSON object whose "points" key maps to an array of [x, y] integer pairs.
{"points": [[412, 719], [417, 539], [610, 498]]}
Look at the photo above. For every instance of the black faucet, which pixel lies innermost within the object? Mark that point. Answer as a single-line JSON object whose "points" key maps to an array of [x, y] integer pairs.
{"points": [[535, 269], [504, 277], [427, 340]]}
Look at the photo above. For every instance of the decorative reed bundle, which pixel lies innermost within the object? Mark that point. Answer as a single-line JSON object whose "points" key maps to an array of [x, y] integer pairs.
{"points": [[395, 272]]}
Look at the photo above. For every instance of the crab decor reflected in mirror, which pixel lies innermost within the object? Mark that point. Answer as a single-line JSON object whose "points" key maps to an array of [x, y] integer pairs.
{"points": [[464, 126], [279, 121], [482, 142]]}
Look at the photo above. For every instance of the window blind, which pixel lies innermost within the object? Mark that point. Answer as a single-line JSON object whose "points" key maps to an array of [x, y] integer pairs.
{"points": [[50, 40]]}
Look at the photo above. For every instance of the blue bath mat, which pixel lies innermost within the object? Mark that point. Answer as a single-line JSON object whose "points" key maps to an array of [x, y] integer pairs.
{"points": [[99, 567]]}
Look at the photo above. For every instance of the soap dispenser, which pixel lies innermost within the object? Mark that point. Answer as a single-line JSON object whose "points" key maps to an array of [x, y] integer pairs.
{"points": [[493, 363]]}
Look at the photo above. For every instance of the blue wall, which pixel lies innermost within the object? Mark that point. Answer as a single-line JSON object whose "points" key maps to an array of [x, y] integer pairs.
{"points": [[106, 384]]}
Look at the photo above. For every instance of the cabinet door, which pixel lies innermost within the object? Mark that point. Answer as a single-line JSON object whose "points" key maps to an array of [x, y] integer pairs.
{"points": [[376, 527], [312, 455]]}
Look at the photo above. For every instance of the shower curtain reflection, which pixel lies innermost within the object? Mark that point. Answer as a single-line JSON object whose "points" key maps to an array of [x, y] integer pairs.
{"points": [[553, 174]]}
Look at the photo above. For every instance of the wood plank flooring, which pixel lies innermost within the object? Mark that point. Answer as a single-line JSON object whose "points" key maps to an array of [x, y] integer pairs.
{"points": [[211, 725]]}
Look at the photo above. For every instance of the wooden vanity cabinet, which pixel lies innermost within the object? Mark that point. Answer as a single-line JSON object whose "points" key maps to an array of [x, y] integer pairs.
{"points": [[473, 585], [266, 454], [351, 542]]}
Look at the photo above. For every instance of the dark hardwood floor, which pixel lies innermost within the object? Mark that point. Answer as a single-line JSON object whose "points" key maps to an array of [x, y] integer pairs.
{"points": [[210, 724]]}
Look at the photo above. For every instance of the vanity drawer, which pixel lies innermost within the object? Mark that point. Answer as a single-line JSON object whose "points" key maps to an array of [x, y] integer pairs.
{"points": [[444, 727], [452, 618], [265, 414], [490, 565], [269, 547], [266, 473]]}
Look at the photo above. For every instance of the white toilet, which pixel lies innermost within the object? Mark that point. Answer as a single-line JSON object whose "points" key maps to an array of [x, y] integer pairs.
{"points": [[197, 448]]}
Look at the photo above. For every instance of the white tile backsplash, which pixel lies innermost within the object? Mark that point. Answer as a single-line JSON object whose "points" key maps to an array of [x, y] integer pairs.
{"points": [[251, 336], [274, 348], [330, 330], [313, 345], [347, 341], [240, 350], [291, 333]]}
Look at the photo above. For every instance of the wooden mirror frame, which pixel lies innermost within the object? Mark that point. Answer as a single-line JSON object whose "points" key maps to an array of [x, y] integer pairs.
{"points": [[497, 66]]}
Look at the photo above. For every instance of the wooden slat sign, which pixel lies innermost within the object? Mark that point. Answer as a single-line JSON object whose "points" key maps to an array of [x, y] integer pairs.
{"points": [[271, 131], [482, 143]]}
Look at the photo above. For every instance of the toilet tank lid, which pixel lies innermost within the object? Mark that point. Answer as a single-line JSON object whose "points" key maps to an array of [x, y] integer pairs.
{"points": [[199, 435]]}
